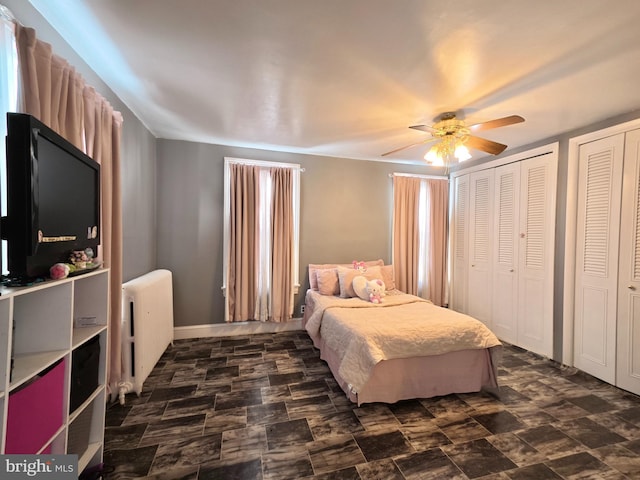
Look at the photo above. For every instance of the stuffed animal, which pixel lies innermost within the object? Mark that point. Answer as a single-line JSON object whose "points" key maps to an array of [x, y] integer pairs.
{"points": [[369, 290], [376, 291], [360, 266]]}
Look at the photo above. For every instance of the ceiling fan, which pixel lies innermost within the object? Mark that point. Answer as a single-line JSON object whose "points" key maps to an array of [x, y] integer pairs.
{"points": [[452, 133]]}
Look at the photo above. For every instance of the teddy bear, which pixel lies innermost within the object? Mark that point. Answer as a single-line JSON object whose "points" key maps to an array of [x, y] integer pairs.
{"points": [[369, 290]]}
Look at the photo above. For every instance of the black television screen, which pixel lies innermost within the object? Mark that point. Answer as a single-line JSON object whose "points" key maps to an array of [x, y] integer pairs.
{"points": [[53, 198]]}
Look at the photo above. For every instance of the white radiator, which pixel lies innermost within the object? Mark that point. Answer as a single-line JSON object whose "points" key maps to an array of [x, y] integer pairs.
{"points": [[147, 327]]}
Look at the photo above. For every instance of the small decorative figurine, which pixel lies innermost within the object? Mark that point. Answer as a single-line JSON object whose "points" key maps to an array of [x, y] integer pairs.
{"points": [[79, 258]]}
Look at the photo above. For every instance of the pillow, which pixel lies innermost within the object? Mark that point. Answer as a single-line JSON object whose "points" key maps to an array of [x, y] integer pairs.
{"points": [[388, 277], [327, 280], [346, 276], [315, 267]]}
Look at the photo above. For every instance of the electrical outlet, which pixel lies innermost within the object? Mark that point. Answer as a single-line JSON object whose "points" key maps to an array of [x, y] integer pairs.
{"points": [[302, 309]]}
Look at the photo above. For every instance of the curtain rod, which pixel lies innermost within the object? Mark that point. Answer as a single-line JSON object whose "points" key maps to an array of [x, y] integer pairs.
{"points": [[263, 163], [6, 14], [435, 177]]}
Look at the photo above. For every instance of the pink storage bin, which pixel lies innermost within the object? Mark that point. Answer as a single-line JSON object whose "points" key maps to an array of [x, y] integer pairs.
{"points": [[35, 412]]}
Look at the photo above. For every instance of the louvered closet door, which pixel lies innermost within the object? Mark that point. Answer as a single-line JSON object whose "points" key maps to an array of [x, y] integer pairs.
{"points": [[505, 252], [460, 248], [480, 246], [628, 353], [597, 234], [538, 180]]}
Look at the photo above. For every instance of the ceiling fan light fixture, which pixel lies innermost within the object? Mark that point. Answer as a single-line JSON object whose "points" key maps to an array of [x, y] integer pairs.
{"points": [[454, 139], [450, 148], [434, 158], [462, 153]]}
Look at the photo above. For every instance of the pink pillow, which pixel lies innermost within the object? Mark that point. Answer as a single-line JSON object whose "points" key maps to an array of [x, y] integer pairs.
{"points": [[315, 267], [388, 277], [328, 283], [346, 276]]}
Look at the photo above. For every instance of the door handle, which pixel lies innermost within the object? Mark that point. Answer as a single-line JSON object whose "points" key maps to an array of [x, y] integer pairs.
{"points": [[631, 287]]}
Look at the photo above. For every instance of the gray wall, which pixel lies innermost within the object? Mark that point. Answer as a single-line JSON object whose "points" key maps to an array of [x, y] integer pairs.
{"points": [[345, 214], [138, 153]]}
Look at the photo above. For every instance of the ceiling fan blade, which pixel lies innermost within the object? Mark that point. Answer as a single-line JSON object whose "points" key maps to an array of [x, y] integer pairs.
{"points": [[409, 146], [423, 128], [498, 122], [485, 145]]}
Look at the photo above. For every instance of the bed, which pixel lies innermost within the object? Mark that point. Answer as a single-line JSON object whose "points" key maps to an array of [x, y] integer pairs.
{"points": [[402, 348]]}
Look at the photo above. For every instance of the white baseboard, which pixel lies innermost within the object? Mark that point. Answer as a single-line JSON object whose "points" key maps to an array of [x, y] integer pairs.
{"points": [[236, 328]]}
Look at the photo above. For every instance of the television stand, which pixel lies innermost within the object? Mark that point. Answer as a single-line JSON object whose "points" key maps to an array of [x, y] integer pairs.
{"points": [[57, 368]]}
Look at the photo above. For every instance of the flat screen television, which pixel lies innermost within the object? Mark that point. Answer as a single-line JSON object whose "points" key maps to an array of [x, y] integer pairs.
{"points": [[53, 198]]}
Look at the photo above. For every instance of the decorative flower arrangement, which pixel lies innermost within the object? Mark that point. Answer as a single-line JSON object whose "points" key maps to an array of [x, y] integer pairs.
{"points": [[59, 270], [79, 258]]}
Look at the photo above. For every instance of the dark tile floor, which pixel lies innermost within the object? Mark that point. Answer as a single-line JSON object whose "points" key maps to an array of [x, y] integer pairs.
{"points": [[266, 407]]}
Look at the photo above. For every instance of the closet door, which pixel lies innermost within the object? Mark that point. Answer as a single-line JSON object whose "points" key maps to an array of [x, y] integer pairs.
{"points": [[505, 252], [597, 234], [628, 353], [480, 249], [537, 218], [460, 248]]}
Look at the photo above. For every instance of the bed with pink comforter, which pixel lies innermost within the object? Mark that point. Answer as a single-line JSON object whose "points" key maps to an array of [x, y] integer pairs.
{"points": [[403, 348]]}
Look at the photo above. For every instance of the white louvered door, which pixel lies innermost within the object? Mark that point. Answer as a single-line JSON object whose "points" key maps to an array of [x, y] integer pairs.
{"points": [[538, 179], [505, 252], [597, 231], [628, 344], [480, 249], [503, 223], [460, 249], [523, 253]]}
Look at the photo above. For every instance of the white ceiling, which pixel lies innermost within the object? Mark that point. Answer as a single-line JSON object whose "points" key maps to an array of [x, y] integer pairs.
{"points": [[346, 78]]}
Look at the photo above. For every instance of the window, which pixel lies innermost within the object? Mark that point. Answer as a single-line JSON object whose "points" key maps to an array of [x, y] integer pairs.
{"points": [[261, 284], [8, 102], [423, 239], [420, 235]]}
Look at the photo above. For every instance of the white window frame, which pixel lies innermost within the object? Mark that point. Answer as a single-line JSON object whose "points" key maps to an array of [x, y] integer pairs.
{"points": [[9, 91]]}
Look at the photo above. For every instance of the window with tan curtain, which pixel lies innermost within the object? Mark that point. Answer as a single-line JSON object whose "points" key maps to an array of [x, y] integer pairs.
{"points": [[46, 86], [260, 240], [420, 226]]}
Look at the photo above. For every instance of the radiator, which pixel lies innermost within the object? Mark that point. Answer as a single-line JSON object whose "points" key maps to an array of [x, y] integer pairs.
{"points": [[147, 327]]}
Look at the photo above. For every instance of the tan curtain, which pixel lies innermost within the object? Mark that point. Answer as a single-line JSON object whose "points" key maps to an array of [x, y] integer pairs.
{"points": [[406, 197], [56, 94], [243, 242], [437, 250], [51, 89], [281, 244], [104, 137]]}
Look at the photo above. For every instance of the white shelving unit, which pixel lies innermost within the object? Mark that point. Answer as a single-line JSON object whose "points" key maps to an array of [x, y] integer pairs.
{"points": [[36, 332]]}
